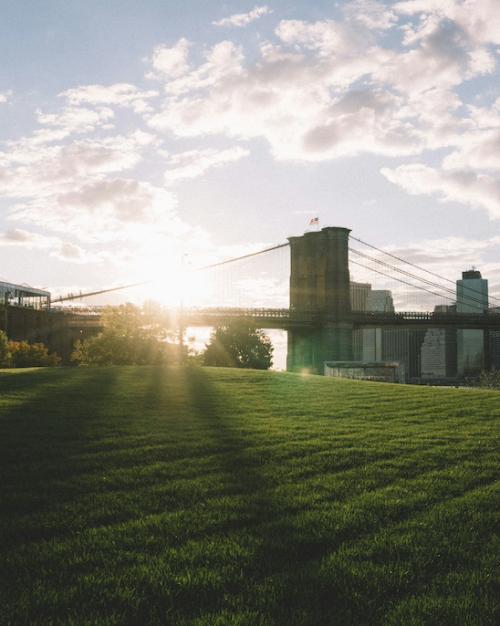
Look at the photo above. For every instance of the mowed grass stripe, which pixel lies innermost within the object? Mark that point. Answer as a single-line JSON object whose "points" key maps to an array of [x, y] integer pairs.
{"points": [[142, 495]]}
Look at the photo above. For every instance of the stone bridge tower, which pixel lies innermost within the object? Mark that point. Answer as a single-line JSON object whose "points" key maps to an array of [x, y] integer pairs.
{"points": [[320, 287]]}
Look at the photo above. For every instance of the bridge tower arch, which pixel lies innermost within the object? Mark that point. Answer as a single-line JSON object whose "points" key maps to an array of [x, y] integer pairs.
{"points": [[320, 289]]}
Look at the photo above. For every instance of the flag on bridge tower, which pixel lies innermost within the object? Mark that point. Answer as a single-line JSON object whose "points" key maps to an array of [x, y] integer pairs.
{"points": [[313, 224]]}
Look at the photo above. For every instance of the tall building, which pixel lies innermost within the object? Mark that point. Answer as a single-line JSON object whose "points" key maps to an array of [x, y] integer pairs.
{"points": [[359, 295], [494, 347], [438, 354], [378, 300], [472, 297], [404, 345]]}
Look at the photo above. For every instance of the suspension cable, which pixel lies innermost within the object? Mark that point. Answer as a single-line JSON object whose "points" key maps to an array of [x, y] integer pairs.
{"points": [[78, 296], [240, 258], [402, 281], [414, 276], [418, 267]]}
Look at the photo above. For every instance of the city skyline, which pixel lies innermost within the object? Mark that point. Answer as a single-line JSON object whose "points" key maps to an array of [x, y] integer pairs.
{"points": [[132, 135]]}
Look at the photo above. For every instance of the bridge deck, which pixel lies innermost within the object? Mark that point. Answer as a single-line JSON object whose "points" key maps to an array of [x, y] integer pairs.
{"points": [[286, 318]]}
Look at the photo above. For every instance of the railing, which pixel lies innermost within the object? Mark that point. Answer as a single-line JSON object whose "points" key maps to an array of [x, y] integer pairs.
{"points": [[281, 317]]}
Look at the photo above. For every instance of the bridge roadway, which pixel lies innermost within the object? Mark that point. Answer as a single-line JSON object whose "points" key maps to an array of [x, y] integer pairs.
{"points": [[288, 319]]}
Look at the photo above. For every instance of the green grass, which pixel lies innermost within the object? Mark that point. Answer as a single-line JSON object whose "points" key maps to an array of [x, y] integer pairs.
{"points": [[208, 496]]}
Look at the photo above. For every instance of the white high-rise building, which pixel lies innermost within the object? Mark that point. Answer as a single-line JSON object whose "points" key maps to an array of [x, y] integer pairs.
{"points": [[472, 297]]}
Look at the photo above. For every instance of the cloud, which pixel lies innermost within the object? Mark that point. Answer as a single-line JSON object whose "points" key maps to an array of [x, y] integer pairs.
{"points": [[5, 96], [71, 120], [239, 20], [479, 19], [57, 248], [126, 200], [31, 169], [194, 163], [371, 14], [325, 37], [221, 62], [337, 88], [463, 186], [289, 102], [478, 150], [119, 94], [103, 210], [171, 62]]}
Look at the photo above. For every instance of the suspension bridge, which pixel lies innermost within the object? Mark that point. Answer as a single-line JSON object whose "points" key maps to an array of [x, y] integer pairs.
{"points": [[309, 291]]}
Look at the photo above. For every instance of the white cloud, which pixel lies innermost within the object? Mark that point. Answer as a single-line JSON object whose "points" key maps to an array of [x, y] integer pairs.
{"points": [[327, 37], [371, 14], [464, 186], [335, 88], [71, 120], [119, 94], [31, 168], [289, 102], [478, 150], [100, 211], [195, 163], [239, 20], [171, 62], [222, 61], [54, 246], [5, 96], [65, 187], [479, 19]]}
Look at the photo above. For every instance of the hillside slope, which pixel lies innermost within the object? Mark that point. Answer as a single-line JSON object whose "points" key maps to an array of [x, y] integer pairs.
{"points": [[210, 496]]}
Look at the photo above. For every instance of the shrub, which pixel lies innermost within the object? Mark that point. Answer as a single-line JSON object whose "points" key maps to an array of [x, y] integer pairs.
{"points": [[490, 379], [24, 354], [4, 350], [109, 349]]}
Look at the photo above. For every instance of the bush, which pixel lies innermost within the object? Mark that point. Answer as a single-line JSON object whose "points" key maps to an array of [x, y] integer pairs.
{"points": [[108, 349], [489, 379], [4, 350], [24, 354]]}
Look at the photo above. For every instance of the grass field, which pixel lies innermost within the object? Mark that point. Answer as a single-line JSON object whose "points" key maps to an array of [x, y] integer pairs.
{"points": [[207, 496]]}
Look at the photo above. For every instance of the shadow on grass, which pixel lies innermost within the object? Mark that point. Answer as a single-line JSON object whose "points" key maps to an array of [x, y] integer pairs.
{"points": [[280, 568], [42, 437], [287, 580]]}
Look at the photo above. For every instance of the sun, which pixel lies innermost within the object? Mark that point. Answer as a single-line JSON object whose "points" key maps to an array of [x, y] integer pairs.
{"points": [[171, 282]]}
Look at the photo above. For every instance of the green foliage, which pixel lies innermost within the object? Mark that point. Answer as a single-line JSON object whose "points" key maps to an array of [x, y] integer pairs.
{"points": [[489, 379], [130, 336], [241, 345], [24, 354], [207, 496], [4, 350]]}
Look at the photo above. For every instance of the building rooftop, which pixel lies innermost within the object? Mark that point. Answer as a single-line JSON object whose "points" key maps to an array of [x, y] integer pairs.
{"points": [[23, 295], [468, 274]]}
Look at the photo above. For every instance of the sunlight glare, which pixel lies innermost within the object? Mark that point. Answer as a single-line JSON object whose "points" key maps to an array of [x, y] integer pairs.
{"points": [[172, 282]]}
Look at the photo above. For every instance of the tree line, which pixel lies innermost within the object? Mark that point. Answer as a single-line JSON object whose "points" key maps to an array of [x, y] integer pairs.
{"points": [[133, 335]]}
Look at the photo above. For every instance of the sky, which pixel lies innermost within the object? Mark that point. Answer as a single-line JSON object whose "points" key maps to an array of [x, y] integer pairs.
{"points": [[136, 137]]}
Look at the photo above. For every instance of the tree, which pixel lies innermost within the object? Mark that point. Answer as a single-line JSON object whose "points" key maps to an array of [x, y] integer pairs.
{"points": [[4, 350], [24, 354], [239, 344], [130, 336]]}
